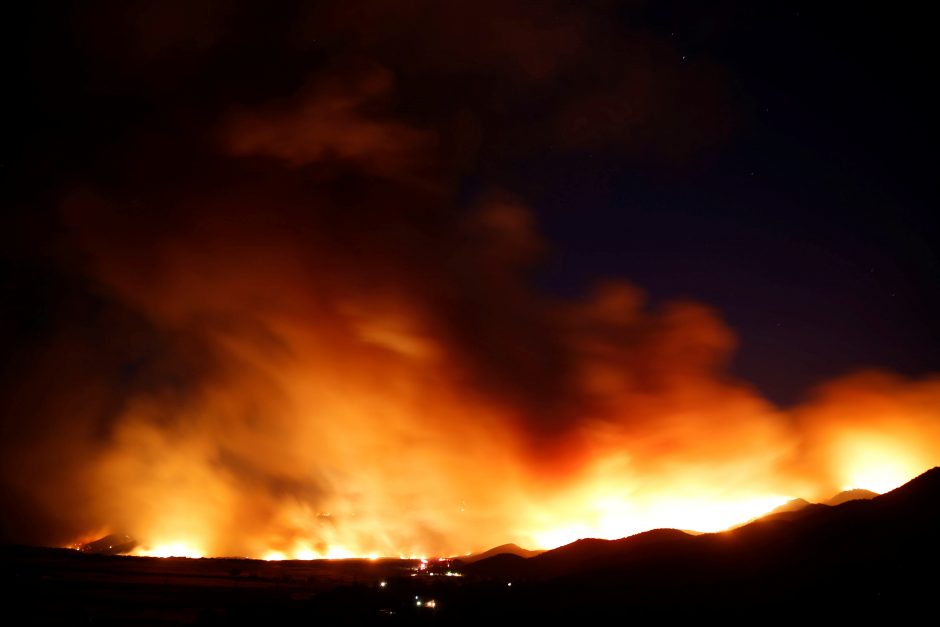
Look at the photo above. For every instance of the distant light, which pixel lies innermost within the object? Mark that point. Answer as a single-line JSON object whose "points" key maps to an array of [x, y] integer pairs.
{"points": [[509, 584], [169, 550], [431, 604], [382, 584]]}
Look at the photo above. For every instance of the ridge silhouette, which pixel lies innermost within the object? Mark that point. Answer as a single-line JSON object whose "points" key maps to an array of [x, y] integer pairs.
{"points": [[873, 560], [874, 557], [503, 549]]}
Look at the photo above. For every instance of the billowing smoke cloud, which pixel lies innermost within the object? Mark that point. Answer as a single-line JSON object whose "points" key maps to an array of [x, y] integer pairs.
{"points": [[282, 330]]}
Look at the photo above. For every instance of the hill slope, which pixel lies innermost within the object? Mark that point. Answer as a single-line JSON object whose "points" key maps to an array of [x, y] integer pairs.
{"points": [[503, 549], [876, 557]]}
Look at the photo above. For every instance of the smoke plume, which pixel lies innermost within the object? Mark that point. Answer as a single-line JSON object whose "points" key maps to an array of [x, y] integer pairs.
{"points": [[280, 327]]}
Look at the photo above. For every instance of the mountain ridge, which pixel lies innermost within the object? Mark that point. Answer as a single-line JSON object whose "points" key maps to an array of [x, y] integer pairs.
{"points": [[865, 559]]}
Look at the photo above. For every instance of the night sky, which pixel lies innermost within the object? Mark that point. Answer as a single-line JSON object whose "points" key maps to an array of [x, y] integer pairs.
{"points": [[773, 161], [811, 225], [780, 164]]}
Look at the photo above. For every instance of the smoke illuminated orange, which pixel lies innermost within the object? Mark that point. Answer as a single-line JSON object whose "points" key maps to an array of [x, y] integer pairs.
{"points": [[405, 464], [346, 390]]}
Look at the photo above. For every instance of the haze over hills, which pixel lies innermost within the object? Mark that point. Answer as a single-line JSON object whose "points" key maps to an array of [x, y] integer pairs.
{"points": [[851, 495], [784, 510], [794, 505], [884, 550], [503, 549], [845, 496], [790, 508], [874, 559], [118, 544]]}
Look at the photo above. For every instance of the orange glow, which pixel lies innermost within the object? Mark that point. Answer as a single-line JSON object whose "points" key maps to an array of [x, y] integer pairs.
{"points": [[344, 399], [87, 537], [611, 520], [176, 549], [872, 430], [600, 506], [485, 490], [291, 320], [475, 484], [870, 463]]}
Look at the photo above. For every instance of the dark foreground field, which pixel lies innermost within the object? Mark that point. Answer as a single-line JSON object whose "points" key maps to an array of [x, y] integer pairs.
{"points": [[61, 586], [871, 560]]}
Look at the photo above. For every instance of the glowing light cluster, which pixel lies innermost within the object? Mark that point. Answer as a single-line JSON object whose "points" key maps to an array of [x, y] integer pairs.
{"points": [[174, 549], [303, 552]]}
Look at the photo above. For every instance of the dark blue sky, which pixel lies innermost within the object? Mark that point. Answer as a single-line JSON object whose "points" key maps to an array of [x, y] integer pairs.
{"points": [[813, 228]]}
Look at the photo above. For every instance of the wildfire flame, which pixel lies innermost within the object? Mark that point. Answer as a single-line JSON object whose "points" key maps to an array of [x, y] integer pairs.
{"points": [[609, 496], [172, 549], [304, 340], [345, 422], [341, 408]]}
